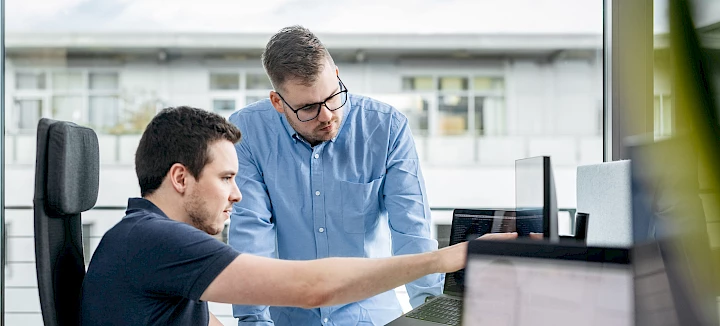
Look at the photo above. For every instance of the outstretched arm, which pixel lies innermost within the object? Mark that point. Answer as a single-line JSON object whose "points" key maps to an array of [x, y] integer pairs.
{"points": [[258, 280]]}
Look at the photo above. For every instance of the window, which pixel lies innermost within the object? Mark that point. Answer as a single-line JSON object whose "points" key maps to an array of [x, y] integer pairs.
{"points": [[231, 91], [422, 83], [224, 81], [224, 107], [87, 98], [258, 81], [466, 105], [453, 114], [27, 112], [30, 81]]}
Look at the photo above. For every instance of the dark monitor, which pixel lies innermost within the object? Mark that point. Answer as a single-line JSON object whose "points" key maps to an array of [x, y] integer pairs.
{"points": [[535, 199]]}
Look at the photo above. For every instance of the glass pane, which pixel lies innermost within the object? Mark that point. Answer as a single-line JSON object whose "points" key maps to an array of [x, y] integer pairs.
{"points": [[30, 81], [224, 81], [258, 81], [224, 106], [479, 105], [488, 84], [67, 108], [453, 83], [66, 81], [493, 115], [28, 113], [421, 83], [103, 112], [104, 81], [453, 114]]}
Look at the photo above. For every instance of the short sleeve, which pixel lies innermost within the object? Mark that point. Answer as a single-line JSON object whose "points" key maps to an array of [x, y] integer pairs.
{"points": [[170, 258]]}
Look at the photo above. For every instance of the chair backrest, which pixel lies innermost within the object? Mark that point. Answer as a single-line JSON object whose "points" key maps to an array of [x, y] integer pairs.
{"points": [[66, 184]]}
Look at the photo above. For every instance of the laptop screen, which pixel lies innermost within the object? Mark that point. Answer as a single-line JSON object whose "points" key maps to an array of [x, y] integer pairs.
{"points": [[542, 285], [468, 224]]}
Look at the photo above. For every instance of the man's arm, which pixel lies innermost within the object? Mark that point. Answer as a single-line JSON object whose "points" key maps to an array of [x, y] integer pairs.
{"points": [[330, 281], [251, 230], [407, 206]]}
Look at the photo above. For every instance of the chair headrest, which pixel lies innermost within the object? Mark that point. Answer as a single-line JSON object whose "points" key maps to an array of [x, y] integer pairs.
{"points": [[73, 172]]}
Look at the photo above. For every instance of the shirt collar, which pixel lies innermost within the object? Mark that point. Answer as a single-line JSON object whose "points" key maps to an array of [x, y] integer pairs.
{"points": [[138, 204], [295, 136]]}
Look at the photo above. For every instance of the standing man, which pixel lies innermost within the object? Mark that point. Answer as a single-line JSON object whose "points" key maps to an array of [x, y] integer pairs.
{"points": [[325, 174]]}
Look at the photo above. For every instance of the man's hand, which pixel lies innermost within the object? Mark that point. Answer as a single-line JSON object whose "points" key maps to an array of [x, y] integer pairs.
{"points": [[453, 258]]}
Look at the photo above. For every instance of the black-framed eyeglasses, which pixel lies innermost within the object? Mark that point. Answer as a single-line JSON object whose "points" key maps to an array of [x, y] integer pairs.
{"points": [[311, 111]]}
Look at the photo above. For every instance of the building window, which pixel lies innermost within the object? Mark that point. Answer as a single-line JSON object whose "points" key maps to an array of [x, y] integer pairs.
{"points": [[87, 98], [224, 81], [419, 83], [258, 81], [465, 105], [27, 113], [224, 107], [86, 238], [30, 81], [452, 114]]}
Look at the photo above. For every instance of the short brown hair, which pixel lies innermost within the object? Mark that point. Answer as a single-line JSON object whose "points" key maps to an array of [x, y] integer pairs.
{"points": [[178, 135], [294, 53]]}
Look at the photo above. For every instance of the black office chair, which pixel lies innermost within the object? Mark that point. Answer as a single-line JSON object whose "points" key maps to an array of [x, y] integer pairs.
{"points": [[66, 184]]}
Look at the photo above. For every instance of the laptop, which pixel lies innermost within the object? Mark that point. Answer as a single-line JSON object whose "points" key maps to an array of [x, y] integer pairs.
{"points": [[467, 224], [536, 283]]}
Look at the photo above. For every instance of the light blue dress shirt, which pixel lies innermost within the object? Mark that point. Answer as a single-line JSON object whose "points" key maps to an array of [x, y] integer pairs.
{"points": [[360, 194]]}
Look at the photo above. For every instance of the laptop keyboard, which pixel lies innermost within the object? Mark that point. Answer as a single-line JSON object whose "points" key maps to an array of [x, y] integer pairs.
{"points": [[442, 310]]}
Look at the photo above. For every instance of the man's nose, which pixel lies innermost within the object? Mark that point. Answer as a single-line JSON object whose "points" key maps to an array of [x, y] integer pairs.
{"points": [[325, 114]]}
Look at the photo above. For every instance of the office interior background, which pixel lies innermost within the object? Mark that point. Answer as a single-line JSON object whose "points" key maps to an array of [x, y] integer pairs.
{"points": [[483, 83]]}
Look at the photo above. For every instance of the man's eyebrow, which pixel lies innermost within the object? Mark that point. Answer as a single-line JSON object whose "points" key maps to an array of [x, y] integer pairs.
{"points": [[226, 172], [327, 98]]}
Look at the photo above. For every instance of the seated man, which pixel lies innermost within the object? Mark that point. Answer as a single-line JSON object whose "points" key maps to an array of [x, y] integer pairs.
{"points": [[159, 265]]}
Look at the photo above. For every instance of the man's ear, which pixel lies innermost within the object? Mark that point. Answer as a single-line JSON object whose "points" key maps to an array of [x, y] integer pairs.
{"points": [[276, 102], [179, 176]]}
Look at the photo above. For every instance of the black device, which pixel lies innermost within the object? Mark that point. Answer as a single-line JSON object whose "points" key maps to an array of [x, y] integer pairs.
{"points": [[526, 282], [535, 198], [467, 224]]}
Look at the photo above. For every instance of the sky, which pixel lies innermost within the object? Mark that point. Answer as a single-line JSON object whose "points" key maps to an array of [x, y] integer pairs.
{"points": [[338, 16]]}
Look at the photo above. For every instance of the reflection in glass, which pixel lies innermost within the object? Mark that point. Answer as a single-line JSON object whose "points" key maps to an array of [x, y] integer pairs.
{"points": [[453, 114]]}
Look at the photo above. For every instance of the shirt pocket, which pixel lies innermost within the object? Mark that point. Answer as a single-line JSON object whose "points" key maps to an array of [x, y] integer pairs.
{"points": [[360, 203]]}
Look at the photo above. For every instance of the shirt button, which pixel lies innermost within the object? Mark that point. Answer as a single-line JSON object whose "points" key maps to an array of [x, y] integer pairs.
{"points": [[317, 155], [317, 193], [321, 230], [325, 320]]}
